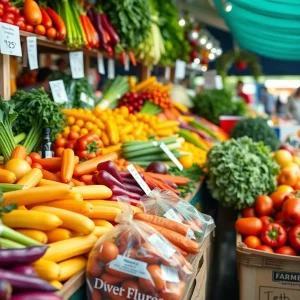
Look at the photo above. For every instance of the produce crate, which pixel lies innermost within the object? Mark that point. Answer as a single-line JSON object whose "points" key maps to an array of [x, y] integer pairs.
{"points": [[267, 276]]}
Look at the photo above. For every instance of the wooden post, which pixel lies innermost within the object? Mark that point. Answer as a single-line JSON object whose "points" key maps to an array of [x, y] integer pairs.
{"points": [[86, 64], [144, 72], [4, 77]]}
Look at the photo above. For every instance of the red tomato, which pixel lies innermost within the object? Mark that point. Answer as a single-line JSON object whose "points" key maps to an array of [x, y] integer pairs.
{"points": [[291, 211], [34, 156], [263, 205], [286, 250], [266, 220], [279, 216], [40, 30], [73, 135], [59, 151], [248, 226], [60, 142], [252, 241], [278, 199], [37, 166], [20, 18], [8, 21], [265, 248], [1, 6], [294, 237], [4, 2], [12, 9], [51, 33], [9, 15], [248, 212], [70, 144], [28, 159], [288, 176], [287, 227], [1, 12], [29, 28], [21, 25]]}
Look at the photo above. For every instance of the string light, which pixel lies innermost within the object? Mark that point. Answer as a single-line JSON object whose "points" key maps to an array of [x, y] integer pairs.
{"points": [[204, 68], [209, 45], [197, 60], [181, 22], [211, 56], [227, 5]]}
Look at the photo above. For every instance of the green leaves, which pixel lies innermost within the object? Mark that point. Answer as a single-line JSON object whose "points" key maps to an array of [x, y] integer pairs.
{"points": [[6, 209], [257, 129], [211, 104], [239, 171]]}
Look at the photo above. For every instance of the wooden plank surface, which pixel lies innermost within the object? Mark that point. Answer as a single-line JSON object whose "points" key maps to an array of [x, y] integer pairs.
{"points": [[5, 77]]}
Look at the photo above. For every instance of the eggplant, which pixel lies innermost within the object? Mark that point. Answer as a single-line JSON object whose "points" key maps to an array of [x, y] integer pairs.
{"points": [[134, 189], [24, 283], [5, 290], [21, 256], [127, 175], [25, 270], [105, 178], [36, 296], [117, 191], [110, 167], [157, 167], [114, 38]]}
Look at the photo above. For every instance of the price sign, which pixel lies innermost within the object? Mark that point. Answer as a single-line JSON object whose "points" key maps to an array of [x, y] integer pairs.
{"points": [[10, 40], [32, 52], [212, 80], [180, 69], [127, 64], [76, 63], [58, 91], [100, 61], [134, 173], [111, 69], [167, 73], [171, 156]]}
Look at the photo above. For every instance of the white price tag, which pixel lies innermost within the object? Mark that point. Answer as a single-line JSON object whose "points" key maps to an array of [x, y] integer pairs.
{"points": [[76, 63], [127, 63], [167, 73], [171, 215], [180, 69], [134, 173], [166, 249], [58, 91], [111, 69], [88, 100], [171, 156], [10, 40], [101, 69], [169, 274], [32, 52]]}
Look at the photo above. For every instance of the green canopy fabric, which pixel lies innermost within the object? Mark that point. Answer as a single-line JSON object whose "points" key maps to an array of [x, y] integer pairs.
{"points": [[267, 27]]}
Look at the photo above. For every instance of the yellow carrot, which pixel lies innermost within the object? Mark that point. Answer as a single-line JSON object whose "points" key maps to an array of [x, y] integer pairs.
{"points": [[112, 132], [78, 115], [104, 212], [58, 285], [7, 176], [111, 149], [100, 230], [144, 83], [36, 195], [71, 220], [71, 267], [103, 223], [46, 269], [37, 235], [110, 203], [67, 165], [58, 234], [93, 191], [46, 182], [80, 207], [32, 178]]}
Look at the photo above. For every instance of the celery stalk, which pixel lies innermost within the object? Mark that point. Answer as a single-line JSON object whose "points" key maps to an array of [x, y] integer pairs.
{"points": [[20, 138], [21, 239], [5, 243]]}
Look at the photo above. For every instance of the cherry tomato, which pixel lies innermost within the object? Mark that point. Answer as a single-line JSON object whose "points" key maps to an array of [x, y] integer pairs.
{"points": [[8, 21], [4, 2], [34, 156], [29, 28], [1, 12], [20, 18], [70, 144], [73, 135], [9, 15], [60, 142], [59, 151], [108, 251], [12, 9], [248, 226], [37, 166], [286, 250], [40, 30], [1, 6], [21, 25], [266, 220], [265, 248], [28, 159], [248, 212], [252, 241], [263, 205], [51, 33]]}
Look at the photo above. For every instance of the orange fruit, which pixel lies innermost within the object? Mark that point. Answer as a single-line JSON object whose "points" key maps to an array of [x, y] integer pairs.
{"points": [[285, 188], [186, 161], [284, 158]]}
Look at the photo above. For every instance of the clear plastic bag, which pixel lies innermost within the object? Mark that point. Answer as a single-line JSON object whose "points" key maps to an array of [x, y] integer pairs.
{"points": [[167, 204], [133, 261]]}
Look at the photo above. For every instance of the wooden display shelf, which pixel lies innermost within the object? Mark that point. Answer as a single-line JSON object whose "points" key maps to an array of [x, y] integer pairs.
{"points": [[72, 285]]}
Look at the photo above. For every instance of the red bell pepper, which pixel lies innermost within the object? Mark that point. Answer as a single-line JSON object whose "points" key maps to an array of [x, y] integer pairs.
{"points": [[88, 146], [294, 237], [274, 235]]}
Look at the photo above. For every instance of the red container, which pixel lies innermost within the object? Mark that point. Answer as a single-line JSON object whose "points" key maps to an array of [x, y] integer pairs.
{"points": [[228, 122]]}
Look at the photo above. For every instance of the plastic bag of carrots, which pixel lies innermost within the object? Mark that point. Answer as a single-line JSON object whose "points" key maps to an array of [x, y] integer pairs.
{"points": [[165, 204], [134, 261]]}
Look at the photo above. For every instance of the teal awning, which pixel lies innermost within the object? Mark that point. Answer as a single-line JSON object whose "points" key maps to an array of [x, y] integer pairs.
{"points": [[267, 27]]}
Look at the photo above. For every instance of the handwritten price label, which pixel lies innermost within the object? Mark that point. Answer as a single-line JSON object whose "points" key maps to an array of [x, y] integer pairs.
{"points": [[10, 40], [32, 52], [58, 91], [76, 62]]}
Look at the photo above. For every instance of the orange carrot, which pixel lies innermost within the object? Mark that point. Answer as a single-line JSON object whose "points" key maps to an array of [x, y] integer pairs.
{"points": [[158, 183], [90, 166], [87, 179], [177, 239], [67, 165], [19, 152], [50, 176], [182, 252], [50, 164], [77, 182], [176, 179], [163, 222]]}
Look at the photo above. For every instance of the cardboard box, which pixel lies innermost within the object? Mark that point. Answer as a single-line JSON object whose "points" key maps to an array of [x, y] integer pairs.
{"points": [[267, 276]]}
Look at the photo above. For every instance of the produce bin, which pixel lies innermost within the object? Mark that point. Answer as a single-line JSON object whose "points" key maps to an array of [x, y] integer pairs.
{"points": [[267, 276]]}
